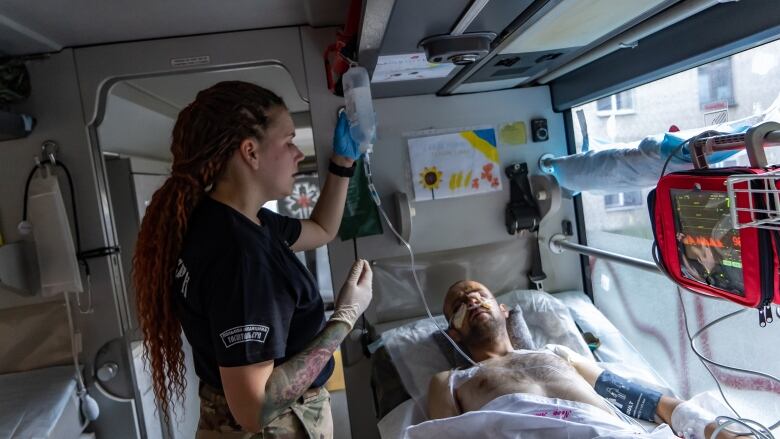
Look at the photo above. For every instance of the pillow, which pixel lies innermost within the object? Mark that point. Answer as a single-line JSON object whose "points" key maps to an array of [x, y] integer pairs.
{"points": [[548, 320], [418, 353], [416, 356]]}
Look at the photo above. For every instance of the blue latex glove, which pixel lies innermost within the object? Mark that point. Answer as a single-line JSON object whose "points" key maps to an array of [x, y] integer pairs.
{"points": [[343, 144], [671, 142]]}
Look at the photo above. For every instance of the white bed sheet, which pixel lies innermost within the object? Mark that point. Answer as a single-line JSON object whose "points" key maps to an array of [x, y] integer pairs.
{"points": [[615, 354], [39, 403]]}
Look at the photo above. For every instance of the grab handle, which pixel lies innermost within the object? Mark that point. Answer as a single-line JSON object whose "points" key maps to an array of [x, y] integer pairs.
{"points": [[754, 141]]}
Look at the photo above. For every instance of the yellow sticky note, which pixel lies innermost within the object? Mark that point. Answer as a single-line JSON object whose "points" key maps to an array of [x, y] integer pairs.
{"points": [[513, 134]]}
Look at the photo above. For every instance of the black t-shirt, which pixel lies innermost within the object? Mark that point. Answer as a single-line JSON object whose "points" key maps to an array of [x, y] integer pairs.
{"points": [[241, 294]]}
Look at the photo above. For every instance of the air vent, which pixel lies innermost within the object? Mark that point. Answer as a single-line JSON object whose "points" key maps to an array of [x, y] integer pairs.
{"points": [[548, 57], [507, 62], [510, 72]]}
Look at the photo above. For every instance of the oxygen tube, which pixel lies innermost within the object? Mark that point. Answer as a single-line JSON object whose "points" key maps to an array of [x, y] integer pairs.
{"points": [[362, 128]]}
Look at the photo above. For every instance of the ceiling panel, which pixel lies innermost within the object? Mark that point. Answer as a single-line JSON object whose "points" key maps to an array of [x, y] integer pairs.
{"points": [[180, 90], [413, 20], [154, 103], [497, 15], [38, 26], [575, 23], [549, 34]]}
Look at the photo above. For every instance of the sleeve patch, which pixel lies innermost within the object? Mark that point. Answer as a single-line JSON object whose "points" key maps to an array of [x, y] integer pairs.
{"points": [[244, 334]]}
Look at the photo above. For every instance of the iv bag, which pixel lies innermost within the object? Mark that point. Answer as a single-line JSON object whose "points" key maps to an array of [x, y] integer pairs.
{"points": [[360, 110]]}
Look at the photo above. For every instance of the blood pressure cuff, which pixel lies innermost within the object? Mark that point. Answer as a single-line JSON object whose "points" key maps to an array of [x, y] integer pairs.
{"points": [[630, 398], [699, 246]]}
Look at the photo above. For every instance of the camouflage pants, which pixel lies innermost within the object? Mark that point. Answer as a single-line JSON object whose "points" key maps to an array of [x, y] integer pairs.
{"points": [[308, 417]]}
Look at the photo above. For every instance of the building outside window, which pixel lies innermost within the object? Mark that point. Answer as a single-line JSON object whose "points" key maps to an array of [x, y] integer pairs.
{"points": [[623, 200], [620, 103], [716, 85]]}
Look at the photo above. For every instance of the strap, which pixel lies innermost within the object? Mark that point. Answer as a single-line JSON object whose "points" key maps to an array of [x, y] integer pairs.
{"points": [[522, 213], [342, 171], [98, 252]]}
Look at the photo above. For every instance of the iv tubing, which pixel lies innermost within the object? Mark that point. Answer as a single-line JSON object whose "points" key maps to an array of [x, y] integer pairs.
{"points": [[79, 379], [375, 198], [705, 361]]}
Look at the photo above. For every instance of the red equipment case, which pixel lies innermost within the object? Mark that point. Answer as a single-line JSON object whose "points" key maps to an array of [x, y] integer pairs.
{"points": [[719, 236]]}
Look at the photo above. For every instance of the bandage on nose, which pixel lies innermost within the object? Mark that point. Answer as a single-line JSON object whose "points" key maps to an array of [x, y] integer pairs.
{"points": [[460, 314]]}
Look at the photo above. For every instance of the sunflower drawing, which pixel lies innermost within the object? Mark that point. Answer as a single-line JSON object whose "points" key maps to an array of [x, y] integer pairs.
{"points": [[430, 178]]}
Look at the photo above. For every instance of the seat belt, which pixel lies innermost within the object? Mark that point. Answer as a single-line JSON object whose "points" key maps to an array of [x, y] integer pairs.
{"points": [[522, 213]]}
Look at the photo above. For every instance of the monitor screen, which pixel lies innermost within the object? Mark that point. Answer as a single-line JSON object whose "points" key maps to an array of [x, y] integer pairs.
{"points": [[708, 244]]}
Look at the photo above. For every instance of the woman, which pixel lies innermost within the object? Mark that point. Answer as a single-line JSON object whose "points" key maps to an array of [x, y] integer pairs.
{"points": [[210, 261]]}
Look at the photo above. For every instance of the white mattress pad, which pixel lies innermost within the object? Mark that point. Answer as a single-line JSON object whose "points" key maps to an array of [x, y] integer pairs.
{"points": [[32, 402]]}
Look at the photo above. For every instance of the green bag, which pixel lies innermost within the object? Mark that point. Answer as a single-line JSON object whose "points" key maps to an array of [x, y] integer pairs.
{"points": [[360, 214], [14, 81]]}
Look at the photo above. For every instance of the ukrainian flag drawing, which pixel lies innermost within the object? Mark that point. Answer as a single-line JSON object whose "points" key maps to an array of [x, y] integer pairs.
{"points": [[484, 141]]}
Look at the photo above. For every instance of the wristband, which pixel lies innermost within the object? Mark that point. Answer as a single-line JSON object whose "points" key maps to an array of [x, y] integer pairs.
{"points": [[342, 171]]}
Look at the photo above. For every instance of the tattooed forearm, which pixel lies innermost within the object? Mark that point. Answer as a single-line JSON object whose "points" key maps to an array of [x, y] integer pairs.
{"points": [[289, 380]]}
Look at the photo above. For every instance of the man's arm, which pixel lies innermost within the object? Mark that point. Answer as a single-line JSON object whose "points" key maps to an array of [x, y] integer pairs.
{"points": [[441, 404], [591, 371]]}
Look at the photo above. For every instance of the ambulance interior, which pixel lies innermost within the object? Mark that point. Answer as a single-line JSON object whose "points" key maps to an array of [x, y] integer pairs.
{"points": [[557, 92]]}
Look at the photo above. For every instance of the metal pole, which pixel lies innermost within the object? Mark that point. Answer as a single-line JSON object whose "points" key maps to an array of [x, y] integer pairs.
{"points": [[559, 242]]}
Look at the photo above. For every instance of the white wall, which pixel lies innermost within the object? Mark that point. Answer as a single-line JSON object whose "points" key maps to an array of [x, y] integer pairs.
{"points": [[56, 104]]}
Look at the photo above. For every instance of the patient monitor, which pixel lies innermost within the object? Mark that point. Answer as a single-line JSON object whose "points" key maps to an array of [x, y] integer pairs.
{"points": [[708, 244], [708, 225]]}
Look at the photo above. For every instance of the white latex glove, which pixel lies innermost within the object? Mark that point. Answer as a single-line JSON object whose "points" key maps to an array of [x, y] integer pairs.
{"points": [[355, 295], [689, 420]]}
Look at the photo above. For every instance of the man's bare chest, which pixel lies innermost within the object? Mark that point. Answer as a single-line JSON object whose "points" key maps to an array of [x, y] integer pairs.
{"points": [[535, 373]]}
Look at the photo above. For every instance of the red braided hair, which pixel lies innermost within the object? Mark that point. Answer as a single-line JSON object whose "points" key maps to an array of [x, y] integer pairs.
{"points": [[206, 134]]}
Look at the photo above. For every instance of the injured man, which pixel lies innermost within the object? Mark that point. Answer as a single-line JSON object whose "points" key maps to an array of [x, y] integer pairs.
{"points": [[553, 392]]}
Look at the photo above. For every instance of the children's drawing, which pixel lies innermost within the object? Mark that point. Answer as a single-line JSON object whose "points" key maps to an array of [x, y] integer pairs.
{"points": [[455, 164]]}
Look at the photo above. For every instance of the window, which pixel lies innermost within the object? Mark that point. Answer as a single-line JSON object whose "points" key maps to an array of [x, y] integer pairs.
{"points": [[620, 103], [623, 200], [715, 85], [645, 306]]}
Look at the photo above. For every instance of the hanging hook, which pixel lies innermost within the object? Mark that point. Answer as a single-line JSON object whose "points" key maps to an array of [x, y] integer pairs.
{"points": [[49, 149]]}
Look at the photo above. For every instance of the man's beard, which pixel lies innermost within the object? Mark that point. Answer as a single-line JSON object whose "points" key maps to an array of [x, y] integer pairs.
{"points": [[484, 332]]}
